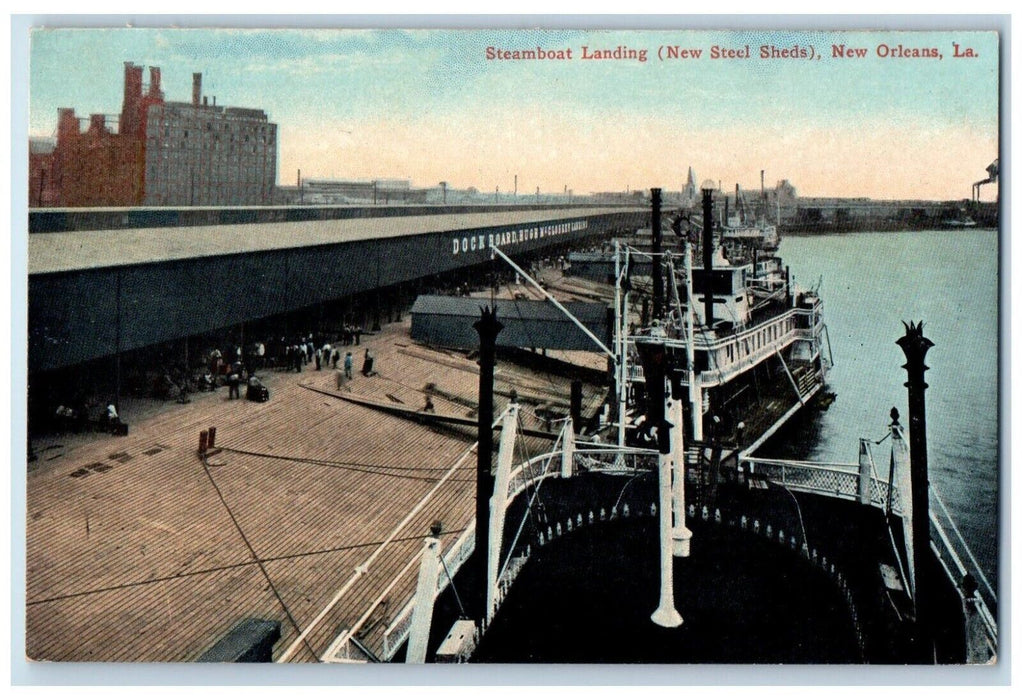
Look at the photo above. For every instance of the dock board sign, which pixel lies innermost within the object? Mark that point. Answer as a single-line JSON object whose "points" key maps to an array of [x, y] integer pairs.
{"points": [[770, 238]]}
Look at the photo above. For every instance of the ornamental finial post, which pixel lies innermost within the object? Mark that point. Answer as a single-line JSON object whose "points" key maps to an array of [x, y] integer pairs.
{"points": [[915, 346], [488, 327]]}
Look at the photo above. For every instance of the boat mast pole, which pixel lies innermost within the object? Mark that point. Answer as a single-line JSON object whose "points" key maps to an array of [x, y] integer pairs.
{"points": [[658, 279], [624, 340], [654, 365], [619, 346], [695, 392], [680, 533], [708, 255]]}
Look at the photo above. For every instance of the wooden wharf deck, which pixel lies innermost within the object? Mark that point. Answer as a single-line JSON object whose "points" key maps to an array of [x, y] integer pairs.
{"points": [[137, 550]]}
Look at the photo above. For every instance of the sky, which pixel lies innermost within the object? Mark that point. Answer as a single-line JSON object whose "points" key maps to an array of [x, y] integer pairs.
{"points": [[428, 106]]}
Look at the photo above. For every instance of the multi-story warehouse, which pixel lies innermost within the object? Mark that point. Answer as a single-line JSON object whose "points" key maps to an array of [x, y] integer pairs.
{"points": [[162, 153], [205, 155]]}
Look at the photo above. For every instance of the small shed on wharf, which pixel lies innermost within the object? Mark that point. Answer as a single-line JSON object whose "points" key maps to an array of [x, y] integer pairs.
{"points": [[447, 321]]}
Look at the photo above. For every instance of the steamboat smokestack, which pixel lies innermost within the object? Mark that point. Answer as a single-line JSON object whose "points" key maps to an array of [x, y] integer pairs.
{"points": [[196, 88], [658, 280], [708, 253], [653, 358], [487, 327], [915, 346]]}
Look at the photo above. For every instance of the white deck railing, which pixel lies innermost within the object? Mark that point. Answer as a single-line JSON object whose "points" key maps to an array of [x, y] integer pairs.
{"points": [[828, 479], [834, 480], [957, 559], [526, 475], [453, 559], [842, 481], [734, 354]]}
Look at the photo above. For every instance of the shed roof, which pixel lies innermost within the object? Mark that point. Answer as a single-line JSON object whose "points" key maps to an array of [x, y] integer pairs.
{"points": [[56, 252], [447, 321]]}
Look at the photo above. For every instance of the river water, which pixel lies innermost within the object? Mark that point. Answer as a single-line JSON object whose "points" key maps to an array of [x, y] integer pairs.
{"points": [[871, 282]]}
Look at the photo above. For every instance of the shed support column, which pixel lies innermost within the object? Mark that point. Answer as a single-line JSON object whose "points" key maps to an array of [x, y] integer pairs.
{"points": [[117, 359]]}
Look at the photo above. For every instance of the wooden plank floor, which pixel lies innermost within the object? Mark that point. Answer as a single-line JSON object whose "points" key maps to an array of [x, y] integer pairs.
{"points": [[137, 551]]}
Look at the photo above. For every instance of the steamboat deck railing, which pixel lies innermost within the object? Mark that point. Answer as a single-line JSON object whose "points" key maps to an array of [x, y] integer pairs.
{"points": [[730, 355], [850, 482], [586, 458]]}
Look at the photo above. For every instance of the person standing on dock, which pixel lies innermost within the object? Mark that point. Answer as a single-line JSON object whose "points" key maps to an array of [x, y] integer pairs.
{"points": [[336, 358], [234, 382], [319, 360], [110, 417], [215, 360], [348, 363]]}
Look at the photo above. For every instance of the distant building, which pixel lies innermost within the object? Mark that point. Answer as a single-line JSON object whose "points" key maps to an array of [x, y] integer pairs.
{"points": [[785, 194], [378, 191], [41, 189], [634, 197], [690, 195], [161, 154], [205, 155]]}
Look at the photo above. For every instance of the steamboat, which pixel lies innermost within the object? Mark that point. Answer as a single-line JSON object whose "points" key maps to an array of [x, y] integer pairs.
{"points": [[656, 532]]}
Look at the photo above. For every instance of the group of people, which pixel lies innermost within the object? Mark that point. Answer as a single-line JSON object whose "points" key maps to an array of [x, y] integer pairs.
{"points": [[230, 372], [233, 367], [329, 356], [78, 419], [368, 367], [351, 335], [308, 349]]}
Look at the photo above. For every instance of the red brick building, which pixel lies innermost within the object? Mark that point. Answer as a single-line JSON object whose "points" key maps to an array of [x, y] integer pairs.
{"points": [[42, 191], [160, 154]]}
